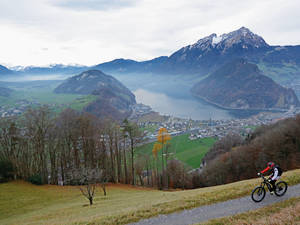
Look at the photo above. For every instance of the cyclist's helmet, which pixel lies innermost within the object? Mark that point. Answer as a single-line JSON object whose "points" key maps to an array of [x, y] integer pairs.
{"points": [[271, 164]]}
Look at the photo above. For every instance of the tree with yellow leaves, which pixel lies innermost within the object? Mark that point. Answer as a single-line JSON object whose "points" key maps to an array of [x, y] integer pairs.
{"points": [[162, 138], [156, 148]]}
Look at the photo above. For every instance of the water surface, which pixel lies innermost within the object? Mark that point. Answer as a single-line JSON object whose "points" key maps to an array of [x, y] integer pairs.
{"points": [[189, 108]]}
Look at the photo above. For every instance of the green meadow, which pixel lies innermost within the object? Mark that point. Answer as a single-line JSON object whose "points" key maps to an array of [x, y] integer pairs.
{"points": [[182, 148], [43, 93]]}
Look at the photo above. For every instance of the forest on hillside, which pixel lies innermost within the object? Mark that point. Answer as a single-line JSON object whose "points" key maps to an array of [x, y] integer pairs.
{"points": [[74, 148], [232, 159], [42, 148]]}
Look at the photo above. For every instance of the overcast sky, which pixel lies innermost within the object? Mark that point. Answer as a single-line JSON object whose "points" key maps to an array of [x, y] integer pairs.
{"points": [[88, 32]]}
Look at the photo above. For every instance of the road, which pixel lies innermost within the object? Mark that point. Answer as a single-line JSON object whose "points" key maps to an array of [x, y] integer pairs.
{"points": [[228, 208]]}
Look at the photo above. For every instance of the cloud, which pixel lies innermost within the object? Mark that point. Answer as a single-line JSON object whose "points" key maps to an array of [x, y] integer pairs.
{"points": [[101, 5], [90, 32]]}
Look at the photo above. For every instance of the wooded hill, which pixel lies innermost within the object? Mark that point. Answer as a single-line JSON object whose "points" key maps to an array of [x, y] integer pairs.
{"points": [[241, 85], [234, 161]]}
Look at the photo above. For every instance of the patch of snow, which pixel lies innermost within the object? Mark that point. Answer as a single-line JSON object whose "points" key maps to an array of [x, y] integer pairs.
{"points": [[244, 32], [17, 68], [216, 40]]}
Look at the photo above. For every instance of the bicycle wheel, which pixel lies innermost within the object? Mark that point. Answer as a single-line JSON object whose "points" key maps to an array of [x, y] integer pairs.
{"points": [[281, 188], [258, 194]]}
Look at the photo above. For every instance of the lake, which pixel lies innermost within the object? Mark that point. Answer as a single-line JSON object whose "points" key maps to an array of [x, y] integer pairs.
{"points": [[181, 107], [170, 95]]}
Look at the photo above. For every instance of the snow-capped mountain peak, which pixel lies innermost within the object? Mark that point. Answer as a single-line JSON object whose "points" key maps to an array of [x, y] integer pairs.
{"points": [[216, 40], [242, 36]]}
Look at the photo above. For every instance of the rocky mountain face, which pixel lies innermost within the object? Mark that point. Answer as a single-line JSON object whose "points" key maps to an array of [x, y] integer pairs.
{"points": [[241, 85], [5, 92], [213, 51], [113, 98]]}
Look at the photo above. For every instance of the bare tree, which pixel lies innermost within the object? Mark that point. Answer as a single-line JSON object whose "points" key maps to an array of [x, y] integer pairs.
{"points": [[37, 124], [135, 136], [87, 178]]}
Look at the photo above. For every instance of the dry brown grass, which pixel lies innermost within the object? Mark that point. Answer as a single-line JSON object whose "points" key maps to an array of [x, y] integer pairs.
{"points": [[289, 215], [23, 203], [283, 213]]}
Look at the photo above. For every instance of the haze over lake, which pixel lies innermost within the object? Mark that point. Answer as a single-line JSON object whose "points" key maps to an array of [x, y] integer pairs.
{"points": [[168, 95], [179, 107]]}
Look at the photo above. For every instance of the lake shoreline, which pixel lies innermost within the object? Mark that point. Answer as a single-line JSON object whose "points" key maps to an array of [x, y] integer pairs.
{"points": [[237, 109]]}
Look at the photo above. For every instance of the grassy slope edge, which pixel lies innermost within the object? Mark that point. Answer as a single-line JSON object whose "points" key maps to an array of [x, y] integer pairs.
{"points": [[285, 212], [27, 204]]}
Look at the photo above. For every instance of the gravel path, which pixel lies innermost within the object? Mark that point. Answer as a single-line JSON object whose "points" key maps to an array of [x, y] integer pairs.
{"points": [[222, 209]]}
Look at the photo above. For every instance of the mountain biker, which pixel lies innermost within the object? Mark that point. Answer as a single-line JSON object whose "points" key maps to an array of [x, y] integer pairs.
{"points": [[276, 172]]}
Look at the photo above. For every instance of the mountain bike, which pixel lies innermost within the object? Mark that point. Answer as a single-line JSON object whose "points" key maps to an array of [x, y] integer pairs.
{"points": [[259, 193]]}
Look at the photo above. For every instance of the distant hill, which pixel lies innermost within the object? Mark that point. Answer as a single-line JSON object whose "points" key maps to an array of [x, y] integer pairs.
{"points": [[53, 69], [114, 99], [5, 92], [5, 71], [241, 85]]}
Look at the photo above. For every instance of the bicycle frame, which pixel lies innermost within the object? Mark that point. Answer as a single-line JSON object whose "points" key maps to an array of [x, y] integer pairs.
{"points": [[265, 182]]}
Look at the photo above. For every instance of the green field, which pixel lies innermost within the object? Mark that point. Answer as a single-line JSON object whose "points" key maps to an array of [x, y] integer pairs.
{"points": [[150, 128], [281, 74], [183, 149], [24, 203], [42, 93]]}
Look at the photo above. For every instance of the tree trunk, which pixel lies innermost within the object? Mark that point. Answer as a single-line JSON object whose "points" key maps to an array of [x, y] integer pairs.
{"points": [[132, 162], [162, 166], [118, 158], [125, 164], [91, 200], [103, 188], [112, 170]]}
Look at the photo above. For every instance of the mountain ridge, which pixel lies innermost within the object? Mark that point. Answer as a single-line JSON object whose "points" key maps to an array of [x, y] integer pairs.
{"points": [[241, 85], [113, 98], [200, 58], [5, 71]]}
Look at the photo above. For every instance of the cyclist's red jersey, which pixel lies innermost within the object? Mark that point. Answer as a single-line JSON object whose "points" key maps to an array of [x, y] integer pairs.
{"points": [[265, 170]]}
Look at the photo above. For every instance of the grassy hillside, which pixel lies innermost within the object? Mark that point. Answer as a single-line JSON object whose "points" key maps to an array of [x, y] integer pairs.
{"points": [[281, 74], [185, 150], [42, 92], [23, 203]]}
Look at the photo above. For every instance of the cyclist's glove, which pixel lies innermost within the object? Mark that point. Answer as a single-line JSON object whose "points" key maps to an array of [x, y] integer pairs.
{"points": [[258, 174]]}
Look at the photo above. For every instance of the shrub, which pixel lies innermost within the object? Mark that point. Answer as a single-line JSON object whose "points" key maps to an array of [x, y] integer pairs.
{"points": [[6, 170], [36, 179]]}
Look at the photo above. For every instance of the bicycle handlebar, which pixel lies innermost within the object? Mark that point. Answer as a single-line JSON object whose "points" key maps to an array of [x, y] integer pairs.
{"points": [[263, 177]]}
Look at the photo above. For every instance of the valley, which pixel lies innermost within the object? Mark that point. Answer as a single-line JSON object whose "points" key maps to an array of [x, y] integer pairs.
{"points": [[37, 93], [206, 117]]}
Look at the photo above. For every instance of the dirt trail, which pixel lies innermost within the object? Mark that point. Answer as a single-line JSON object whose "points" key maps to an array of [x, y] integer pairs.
{"points": [[222, 209]]}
